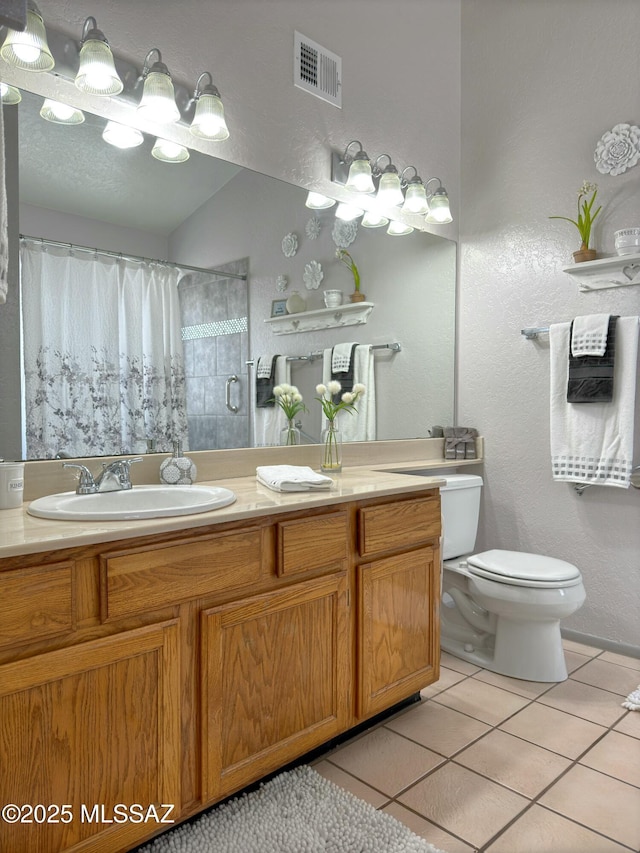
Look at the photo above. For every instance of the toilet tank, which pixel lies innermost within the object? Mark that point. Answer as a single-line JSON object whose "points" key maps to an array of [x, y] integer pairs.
{"points": [[460, 502]]}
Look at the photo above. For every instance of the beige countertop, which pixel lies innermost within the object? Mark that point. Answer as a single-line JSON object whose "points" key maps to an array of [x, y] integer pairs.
{"points": [[21, 533]]}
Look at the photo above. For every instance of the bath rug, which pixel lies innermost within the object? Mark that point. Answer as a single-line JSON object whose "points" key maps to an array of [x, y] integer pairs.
{"points": [[298, 811], [632, 702]]}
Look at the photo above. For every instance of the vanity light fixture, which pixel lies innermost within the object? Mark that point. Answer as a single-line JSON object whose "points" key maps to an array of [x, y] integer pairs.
{"points": [[439, 211], [158, 102], [59, 113], [9, 94], [360, 178], [317, 201], [373, 220], [169, 152], [415, 195], [398, 229], [208, 121], [97, 73], [28, 50], [348, 212], [390, 187], [122, 136]]}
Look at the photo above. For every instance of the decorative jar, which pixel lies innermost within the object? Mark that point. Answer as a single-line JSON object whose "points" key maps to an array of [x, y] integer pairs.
{"points": [[331, 449], [295, 303], [332, 298]]}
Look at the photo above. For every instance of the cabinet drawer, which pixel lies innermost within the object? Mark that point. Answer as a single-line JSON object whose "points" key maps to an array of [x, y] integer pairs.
{"points": [[36, 603], [401, 524], [306, 544], [145, 579]]}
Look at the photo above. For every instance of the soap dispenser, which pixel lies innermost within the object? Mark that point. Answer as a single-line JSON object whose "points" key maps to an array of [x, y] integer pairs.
{"points": [[178, 470]]}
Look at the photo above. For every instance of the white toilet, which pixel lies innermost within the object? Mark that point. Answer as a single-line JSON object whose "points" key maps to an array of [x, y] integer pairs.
{"points": [[501, 609]]}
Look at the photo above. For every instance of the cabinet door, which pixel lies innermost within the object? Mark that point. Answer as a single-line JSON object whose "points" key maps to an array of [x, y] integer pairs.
{"points": [[83, 729], [398, 628], [276, 680]]}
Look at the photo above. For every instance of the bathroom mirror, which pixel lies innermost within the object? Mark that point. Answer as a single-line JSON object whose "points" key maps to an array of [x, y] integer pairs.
{"points": [[210, 213]]}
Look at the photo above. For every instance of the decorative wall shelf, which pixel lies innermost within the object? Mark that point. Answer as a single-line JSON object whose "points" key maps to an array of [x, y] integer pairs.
{"points": [[618, 271], [350, 314]]}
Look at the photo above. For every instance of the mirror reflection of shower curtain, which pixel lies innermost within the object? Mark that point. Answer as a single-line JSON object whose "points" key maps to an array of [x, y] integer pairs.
{"points": [[103, 356]]}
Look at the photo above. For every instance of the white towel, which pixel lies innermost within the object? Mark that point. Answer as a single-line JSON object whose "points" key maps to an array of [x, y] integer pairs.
{"points": [[291, 478], [593, 442], [341, 357], [263, 367], [360, 426], [589, 335], [267, 423], [4, 222]]}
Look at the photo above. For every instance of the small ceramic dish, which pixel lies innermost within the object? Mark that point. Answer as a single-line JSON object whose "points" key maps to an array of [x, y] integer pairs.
{"points": [[627, 241]]}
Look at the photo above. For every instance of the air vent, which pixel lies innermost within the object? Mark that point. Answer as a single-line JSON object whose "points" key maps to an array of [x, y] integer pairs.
{"points": [[317, 70]]}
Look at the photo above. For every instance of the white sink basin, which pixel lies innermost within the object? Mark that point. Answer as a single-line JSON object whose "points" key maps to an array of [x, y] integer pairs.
{"points": [[138, 502]]}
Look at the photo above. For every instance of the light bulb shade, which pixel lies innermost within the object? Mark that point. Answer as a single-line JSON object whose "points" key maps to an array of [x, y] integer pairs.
{"points": [[317, 201], [208, 121], [347, 212], [97, 74], [9, 94], [373, 220], [122, 136], [158, 102], [169, 152], [360, 179], [415, 198], [60, 113], [28, 50], [389, 190], [439, 212], [398, 229]]}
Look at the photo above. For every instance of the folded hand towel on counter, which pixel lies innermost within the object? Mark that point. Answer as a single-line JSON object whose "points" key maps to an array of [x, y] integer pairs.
{"points": [[589, 335], [591, 377], [594, 444], [292, 478]]}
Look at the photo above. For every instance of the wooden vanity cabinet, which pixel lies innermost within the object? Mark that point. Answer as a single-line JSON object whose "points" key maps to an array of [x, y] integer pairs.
{"points": [[179, 668]]}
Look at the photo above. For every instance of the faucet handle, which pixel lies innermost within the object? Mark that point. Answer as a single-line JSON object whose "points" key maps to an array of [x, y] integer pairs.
{"points": [[86, 483]]}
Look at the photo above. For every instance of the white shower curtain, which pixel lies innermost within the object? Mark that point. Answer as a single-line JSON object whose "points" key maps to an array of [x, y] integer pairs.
{"points": [[103, 359]]}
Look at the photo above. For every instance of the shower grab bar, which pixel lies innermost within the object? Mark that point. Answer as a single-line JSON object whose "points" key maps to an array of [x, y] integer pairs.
{"points": [[227, 398]]}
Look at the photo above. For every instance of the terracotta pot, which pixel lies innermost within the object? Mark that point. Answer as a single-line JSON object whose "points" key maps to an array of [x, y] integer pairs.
{"points": [[584, 255], [356, 296]]}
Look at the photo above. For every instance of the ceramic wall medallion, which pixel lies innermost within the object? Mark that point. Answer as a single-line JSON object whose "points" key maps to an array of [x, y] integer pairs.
{"points": [[289, 245], [618, 149], [344, 233], [282, 283], [313, 228], [312, 275]]}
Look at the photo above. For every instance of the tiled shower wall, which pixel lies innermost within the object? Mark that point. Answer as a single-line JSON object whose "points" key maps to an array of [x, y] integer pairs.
{"points": [[216, 345]]}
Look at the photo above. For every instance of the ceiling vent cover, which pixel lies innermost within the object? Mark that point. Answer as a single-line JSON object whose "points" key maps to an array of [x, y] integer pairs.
{"points": [[317, 70]]}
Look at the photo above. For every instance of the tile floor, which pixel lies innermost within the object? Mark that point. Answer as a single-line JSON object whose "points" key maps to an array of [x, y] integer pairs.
{"points": [[496, 765]]}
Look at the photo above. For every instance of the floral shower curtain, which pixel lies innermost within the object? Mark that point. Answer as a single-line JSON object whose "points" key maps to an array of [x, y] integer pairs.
{"points": [[103, 359]]}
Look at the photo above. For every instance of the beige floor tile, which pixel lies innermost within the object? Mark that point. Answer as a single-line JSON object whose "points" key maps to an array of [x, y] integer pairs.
{"points": [[543, 831], [621, 660], [385, 760], [463, 803], [459, 665], [580, 648], [482, 701], [530, 689], [607, 676], [616, 755], [583, 700], [629, 724], [350, 783], [599, 802], [448, 677], [574, 660], [562, 733], [439, 728], [521, 766], [433, 834]]}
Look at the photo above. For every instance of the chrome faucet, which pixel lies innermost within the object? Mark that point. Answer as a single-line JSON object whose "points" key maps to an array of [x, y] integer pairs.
{"points": [[115, 476]]}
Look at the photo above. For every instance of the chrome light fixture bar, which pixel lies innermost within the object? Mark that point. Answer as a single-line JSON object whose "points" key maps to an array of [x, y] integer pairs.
{"points": [[28, 50], [97, 73], [208, 121]]}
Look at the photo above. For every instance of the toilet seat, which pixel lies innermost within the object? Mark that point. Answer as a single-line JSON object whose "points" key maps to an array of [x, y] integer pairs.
{"points": [[521, 569]]}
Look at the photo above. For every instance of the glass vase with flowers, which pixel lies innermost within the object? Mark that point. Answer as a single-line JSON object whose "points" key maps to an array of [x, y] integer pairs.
{"points": [[333, 402], [289, 399]]}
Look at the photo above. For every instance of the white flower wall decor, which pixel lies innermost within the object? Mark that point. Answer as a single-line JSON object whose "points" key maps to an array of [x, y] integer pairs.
{"points": [[281, 283], [344, 233], [618, 149], [313, 228], [312, 275], [289, 245]]}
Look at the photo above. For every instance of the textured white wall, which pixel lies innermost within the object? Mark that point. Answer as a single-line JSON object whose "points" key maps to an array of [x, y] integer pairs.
{"points": [[541, 82]]}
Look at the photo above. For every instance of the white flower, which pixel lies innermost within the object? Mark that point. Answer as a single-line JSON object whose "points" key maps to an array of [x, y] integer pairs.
{"points": [[334, 387], [618, 150], [278, 391], [359, 388], [296, 395], [321, 389], [289, 245], [348, 397]]}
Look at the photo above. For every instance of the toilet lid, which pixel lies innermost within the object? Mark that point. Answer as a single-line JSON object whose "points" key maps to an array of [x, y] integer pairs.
{"points": [[520, 566]]}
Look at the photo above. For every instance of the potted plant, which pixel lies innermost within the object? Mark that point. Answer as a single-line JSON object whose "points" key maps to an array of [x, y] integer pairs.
{"points": [[585, 220], [344, 256]]}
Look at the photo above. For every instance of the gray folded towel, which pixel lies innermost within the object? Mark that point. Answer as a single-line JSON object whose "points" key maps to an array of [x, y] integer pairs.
{"points": [[590, 376], [460, 442], [264, 388]]}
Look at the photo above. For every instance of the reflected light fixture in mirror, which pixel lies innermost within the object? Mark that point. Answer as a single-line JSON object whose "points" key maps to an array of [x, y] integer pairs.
{"points": [[317, 201], [9, 94], [169, 152], [371, 219], [439, 211], [398, 229], [347, 212], [28, 50], [158, 102], [97, 74], [122, 136], [208, 121], [60, 113]]}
